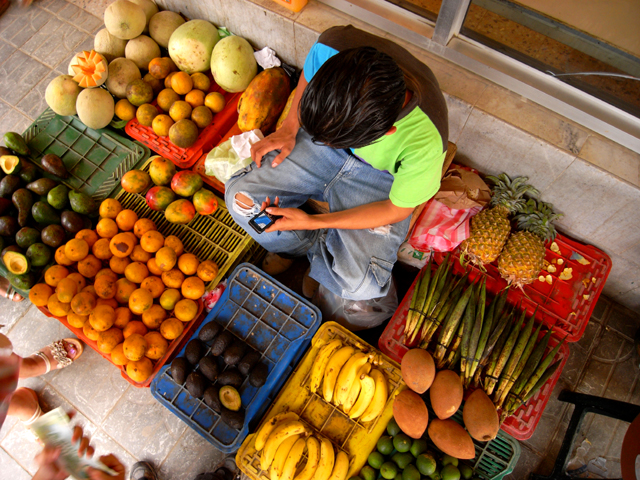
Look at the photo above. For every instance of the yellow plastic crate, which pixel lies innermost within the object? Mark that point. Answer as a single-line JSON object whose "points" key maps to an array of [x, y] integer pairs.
{"points": [[356, 439], [210, 237]]}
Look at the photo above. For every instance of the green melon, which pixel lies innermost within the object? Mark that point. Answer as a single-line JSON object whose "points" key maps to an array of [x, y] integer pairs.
{"points": [[191, 44], [232, 64], [61, 95]]}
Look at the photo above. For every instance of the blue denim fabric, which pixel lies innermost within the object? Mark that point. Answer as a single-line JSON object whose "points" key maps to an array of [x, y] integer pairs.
{"points": [[353, 264]]}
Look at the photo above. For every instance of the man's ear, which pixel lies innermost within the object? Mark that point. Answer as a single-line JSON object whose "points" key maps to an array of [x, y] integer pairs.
{"points": [[391, 131]]}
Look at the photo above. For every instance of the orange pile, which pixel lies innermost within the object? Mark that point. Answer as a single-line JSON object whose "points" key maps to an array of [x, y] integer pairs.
{"points": [[133, 292]]}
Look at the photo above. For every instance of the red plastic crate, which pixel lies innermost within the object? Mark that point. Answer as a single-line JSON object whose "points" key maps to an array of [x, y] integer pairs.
{"points": [[208, 137], [199, 166]]}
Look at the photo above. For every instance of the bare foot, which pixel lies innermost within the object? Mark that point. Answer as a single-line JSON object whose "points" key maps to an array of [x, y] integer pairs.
{"points": [[24, 404], [35, 365]]}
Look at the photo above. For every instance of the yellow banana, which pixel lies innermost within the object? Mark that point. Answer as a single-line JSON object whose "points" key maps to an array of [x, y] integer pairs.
{"points": [[341, 467], [275, 471], [327, 459], [279, 435], [245, 447], [313, 457], [294, 457], [268, 426], [336, 362], [376, 406], [347, 375], [355, 388], [320, 363], [367, 391]]}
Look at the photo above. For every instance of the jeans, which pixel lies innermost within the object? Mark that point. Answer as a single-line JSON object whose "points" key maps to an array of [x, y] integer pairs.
{"points": [[353, 264]]}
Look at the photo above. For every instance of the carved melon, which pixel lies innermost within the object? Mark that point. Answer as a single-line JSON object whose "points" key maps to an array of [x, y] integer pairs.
{"points": [[125, 19], [162, 25], [141, 50], [89, 69], [122, 71], [95, 107], [61, 95], [108, 46]]}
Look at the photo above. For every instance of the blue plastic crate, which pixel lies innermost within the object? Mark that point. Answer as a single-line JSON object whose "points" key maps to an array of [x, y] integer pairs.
{"points": [[271, 319]]}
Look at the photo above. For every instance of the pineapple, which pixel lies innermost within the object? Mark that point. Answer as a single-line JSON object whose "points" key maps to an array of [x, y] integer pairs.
{"points": [[491, 227], [523, 256]]}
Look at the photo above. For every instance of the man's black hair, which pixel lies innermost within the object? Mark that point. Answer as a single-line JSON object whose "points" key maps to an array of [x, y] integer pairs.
{"points": [[353, 99]]}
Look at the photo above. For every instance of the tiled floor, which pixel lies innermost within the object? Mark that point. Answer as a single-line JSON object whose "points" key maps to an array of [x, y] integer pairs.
{"points": [[35, 46]]}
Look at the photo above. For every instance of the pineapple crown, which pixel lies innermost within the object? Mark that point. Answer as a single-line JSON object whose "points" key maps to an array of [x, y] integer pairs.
{"points": [[509, 193], [537, 217]]}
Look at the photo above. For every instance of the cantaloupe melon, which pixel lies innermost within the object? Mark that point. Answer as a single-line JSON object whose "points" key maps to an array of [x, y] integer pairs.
{"points": [[418, 369], [95, 107], [446, 393], [480, 416], [108, 46], [122, 71], [232, 64], [191, 44], [61, 95], [410, 413], [89, 69], [141, 50], [162, 25], [124, 19], [451, 438], [149, 8]]}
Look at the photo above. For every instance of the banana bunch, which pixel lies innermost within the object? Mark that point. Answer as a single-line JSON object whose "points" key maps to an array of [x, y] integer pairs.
{"points": [[282, 442], [345, 377]]}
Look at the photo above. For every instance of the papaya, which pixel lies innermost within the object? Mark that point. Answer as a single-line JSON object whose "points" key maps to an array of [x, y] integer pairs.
{"points": [[264, 99], [410, 413], [181, 211], [480, 416], [451, 438], [418, 369], [446, 393], [186, 183], [287, 107]]}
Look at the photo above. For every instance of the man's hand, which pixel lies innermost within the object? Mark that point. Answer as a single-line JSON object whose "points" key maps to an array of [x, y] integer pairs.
{"points": [[47, 460], [283, 140], [292, 219], [113, 463]]}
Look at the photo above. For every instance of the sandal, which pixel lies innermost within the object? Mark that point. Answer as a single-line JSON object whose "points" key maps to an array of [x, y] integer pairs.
{"points": [[60, 354], [9, 291], [38, 412]]}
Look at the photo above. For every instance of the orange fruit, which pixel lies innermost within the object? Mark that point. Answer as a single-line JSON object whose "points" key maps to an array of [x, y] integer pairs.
{"points": [[174, 243], [124, 289], [125, 110], [76, 249], [90, 332], [188, 263], [56, 307], [139, 255], [83, 303], [110, 302], [118, 264], [153, 267], [215, 101], [166, 259], [79, 279], [105, 287], [66, 290], [110, 208], [132, 236], [154, 317], [122, 245], [61, 258], [126, 220], [169, 298], [167, 80], [106, 272], [39, 294], [123, 317], [117, 355], [140, 301], [54, 274], [75, 320], [91, 289], [202, 116], [107, 228], [166, 98], [157, 346], [145, 114], [142, 226], [134, 326], [180, 110], [201, 81], [186, 310], [195, 98], [102, 317], [88, 235], [171, 328], [154, 285], [161, 125], [173, 278], [89, 266], [207, 271], [101, 249], [136, 272], [193, 288], [140, 370], [181, 83], [152, 241], [108, 340], [134, 347]]}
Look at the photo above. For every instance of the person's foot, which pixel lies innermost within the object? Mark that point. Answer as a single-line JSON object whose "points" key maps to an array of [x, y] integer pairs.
{"points": [[309, 285], [142, 471], [59, 354], [24, 405], [274, 264], [7, 291]]}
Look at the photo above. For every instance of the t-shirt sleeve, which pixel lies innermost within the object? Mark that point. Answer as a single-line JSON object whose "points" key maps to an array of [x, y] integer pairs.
{"points": [[417, 179], [316, 57]]}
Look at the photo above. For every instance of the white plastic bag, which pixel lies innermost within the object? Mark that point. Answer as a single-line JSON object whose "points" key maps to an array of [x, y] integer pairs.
{"points": [[223, 161]]}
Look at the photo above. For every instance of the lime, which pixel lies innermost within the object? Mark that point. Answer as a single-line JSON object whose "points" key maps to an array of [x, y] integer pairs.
{"points": [[389, 470], [385, 445], [410, 473], [402, 459], [375, 460], [392, 428], [368, 473], [398, 476], [435, 476], [426, 464], [449, 460], [402, 442], [450, 472], [418, 446], [466, 471]]}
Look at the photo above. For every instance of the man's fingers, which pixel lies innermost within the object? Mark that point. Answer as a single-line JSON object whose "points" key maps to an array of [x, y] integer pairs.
{"points": [[77, 434], [276, 211], [84, 445], [280, 157]]}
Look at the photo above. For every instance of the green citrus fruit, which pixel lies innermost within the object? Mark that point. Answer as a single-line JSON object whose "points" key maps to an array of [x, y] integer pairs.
{"points": [[385, 445], [450, 472], [410, 473], [402, 459], [375, 460], [466, 471], [449, 460], [418, 446], [392, 428], [389, 470], [426, 464], [402, 442], [368, 473]]}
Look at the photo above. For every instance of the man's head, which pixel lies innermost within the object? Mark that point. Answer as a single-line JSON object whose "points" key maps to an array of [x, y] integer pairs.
{"points": [[353, 99]]}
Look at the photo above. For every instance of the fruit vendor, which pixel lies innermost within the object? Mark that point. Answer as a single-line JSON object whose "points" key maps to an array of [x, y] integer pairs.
{"points": [[367, 132]]}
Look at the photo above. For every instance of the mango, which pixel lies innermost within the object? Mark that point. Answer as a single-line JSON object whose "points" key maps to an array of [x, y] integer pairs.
{"points": [[161, 170], [186, 183], [181, 211], [205, 202], [159, 198]]}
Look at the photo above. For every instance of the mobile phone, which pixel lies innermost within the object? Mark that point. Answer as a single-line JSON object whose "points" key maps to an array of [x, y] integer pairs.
{"points": [[262, 221]]}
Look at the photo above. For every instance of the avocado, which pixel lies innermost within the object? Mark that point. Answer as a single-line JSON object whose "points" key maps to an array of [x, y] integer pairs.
{"points": [[5, 151], [5, 205], [53, 236], [231, 418], [230, 398], [27, 236], [231, 376], [212, 398], [29, 172], [248, 361], [82, 203], [209, 368], [8, 226], [8, 185], [42, 186], [180, 368], [15, 142], [209, 331], [45, 214], [221, 343], [258, 375], [39, 254], [196, 384], [54, 165], [10, 164], [16, 262], [58, 197], [72, 222], [10, 248], [234, 352], [194, 351], [23, 201], [23, 282]]}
